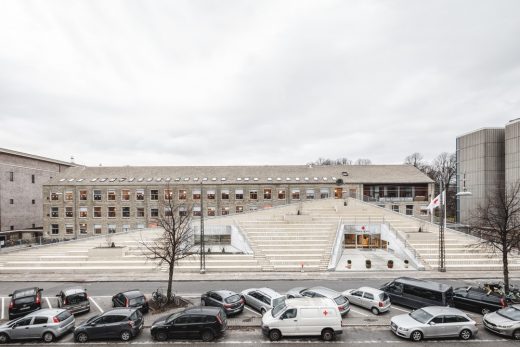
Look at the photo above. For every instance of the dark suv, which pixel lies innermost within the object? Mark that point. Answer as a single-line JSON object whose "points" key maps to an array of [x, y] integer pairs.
{"points": [[477, 300], [24, 301], [131, 298], [74, 299], [205, 323], [122, 323]]}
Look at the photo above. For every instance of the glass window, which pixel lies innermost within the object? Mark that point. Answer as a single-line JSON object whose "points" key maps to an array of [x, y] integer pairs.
{"points": [[290, 313], [83, 194], [139, 194], [97, 212], [239, 209], [97, 229], [309, 194], [111, 194], [55, 212], [69, 212], [324, 193], [224, 194], [154, 194], [97, 195], [154, 212], [395, 208], [82, 228], [225, 211], [40, 320], [126, 227], [55, 196], [55, 229], [211, 194], [83, 212], [139, 212], [409, 210], [211, 211], [295, 194], [253, 194], [369, 296], [281, 194], [183, 211], [125, 211], [69, 229], [11, 176], [183, 195], [111, 228], [69, 196], [125, 194], [239, 194], [267, 194], [111, 212], [196, 211], [195, 194]]}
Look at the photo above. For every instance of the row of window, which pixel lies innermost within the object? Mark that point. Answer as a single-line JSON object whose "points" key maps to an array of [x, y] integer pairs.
{"points": [[408, 209], [182, 194], [11, 177], [195, 179], [96, 228], [11, 201]]}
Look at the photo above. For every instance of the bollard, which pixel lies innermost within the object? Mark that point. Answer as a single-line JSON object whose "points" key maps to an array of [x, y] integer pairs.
{"points": [[301, 267]]}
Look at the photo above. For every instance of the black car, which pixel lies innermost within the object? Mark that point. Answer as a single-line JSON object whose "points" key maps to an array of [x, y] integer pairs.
{"points": [[75, 300], [205, 323], [477, 300], [122, 323], [231, 302], [24, 301], [131, 298]]}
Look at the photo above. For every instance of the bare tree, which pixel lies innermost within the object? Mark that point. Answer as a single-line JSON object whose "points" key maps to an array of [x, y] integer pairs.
{"points": [[444, 169], [176, 241], [327, 162], [498, 223], [415, 159], [363, 161]]}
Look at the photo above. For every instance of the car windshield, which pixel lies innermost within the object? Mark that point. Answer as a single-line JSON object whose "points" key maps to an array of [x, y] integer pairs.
{"points": [[510, 313], [278, 301], [277, 309], [232, 298], [340, 300], [421, 316], [137, 301]]}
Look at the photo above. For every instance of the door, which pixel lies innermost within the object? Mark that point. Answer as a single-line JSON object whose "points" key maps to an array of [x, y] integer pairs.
{"points": [[97, 329], [112, 325], [179, 329], [38, 325], [452, 325], [21, 329], [435, 327], [355, 297], [338, 193], [215, 300], [255, 300], [368, 300], [288, 322]]}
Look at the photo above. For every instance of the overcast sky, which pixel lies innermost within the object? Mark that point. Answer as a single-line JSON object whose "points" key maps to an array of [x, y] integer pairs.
{"points": [[253, 82]]}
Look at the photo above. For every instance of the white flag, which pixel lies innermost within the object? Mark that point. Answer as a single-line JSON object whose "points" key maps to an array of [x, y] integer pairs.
{"points": [[436, 202]]}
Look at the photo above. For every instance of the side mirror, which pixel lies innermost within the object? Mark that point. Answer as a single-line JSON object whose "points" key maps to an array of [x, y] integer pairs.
{"points": [[282, 317], [10, 294], [432, 323], [58, 295]]}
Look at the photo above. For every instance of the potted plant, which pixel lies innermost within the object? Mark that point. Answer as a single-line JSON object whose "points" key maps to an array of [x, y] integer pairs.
{"points": [[390, 264], [406, 263], [368, 263], [349, 264]]}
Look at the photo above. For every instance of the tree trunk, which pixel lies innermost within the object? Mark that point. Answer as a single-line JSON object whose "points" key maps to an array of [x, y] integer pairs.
{"points": [[170, 281], [506, 270]]}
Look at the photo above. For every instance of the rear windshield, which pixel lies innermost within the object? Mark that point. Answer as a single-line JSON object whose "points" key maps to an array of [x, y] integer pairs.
{"points": [[232, 298], [29, 292], [136, 316], [340, 300], [383, 296], [77, 298], [137, 301], [63, 316], [24, 300]]}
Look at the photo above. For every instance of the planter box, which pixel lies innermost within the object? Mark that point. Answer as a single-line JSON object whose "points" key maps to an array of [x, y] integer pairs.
{"points": [[107, 252]]}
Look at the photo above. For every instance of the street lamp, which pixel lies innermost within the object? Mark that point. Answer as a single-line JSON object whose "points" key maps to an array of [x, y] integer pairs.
{"points": [[442, 227], [202, 251]]}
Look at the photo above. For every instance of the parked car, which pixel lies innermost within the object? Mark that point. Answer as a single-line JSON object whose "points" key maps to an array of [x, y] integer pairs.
{"points": [[373, 299], [46, 324], [131, 298], [417, 293], [230, 302], [122, 323], [24, 301], [206, 323], [74, 299], [505, 321], [477, 300], [433, 322], [303, 317], [321, 292], [262, 299]]}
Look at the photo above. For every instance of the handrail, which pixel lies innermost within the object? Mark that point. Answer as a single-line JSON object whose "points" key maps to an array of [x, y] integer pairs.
{"points": [[336, 254]]}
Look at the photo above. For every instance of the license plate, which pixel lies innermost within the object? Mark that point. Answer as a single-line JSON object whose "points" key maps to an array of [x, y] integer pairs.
{"points": [[24, 308]]}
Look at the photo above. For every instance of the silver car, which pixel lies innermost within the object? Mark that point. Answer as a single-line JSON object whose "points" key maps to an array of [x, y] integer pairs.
{"points": [[504, 322], [262, 299], [373, 299], [321, 292], [434, 321], [46, 324]]}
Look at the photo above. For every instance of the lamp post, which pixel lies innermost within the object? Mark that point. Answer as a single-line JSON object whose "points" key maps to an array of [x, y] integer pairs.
{"points": [[442, 226], [202, 250]]}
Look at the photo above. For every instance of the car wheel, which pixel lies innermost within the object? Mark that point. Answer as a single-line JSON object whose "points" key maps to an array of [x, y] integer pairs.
{"points": [[125, 335], [516, 334], [82, 337], [48, 337], [4, 338], [375, 310], [416, 336], [161, 336], [327, 335], [275, 335], [485, 311], [207, 336], [262, 311], [465, 334]]}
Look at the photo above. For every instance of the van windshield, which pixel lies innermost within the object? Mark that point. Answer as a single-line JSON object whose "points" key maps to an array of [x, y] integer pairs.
{"points": [[278, 301], [421, 316], [277, 309]]}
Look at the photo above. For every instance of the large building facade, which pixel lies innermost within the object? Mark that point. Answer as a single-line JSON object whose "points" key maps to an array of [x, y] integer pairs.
{"points": [[21, 178], [99, 200], [487, 159]]}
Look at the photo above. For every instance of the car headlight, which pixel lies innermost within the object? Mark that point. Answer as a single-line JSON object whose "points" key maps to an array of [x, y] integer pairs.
{"points": [[403, 329]]}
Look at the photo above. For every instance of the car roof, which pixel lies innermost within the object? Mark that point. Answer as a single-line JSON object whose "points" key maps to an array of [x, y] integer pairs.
{"points": [[134, 293], [439, 287], [436, 310], [70, 291], [224, 293], [117, 311], [203, 310], [370, 290], [271, 292], [330, 293], [34, 289], [50, 312], [309, 302]]}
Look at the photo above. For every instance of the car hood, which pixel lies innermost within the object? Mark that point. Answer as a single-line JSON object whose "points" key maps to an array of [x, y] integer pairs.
{"points": [[295, 292], [268, 318], [404, 320], [495, 318]]}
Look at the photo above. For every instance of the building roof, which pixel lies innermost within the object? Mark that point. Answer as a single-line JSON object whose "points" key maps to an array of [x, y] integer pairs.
{"points": [[287, 174], [35, 157]]}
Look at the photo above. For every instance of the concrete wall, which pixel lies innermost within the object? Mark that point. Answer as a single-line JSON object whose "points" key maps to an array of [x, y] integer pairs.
{"points": [[512, 152]]}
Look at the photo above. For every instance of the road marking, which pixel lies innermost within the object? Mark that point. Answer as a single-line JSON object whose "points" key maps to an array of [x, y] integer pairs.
{"points": [[361, 313], [95, 303], [2, 308], [48, 301], [400, 309], [247, 308]]}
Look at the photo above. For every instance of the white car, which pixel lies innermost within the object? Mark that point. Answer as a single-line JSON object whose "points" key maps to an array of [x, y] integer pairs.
{"points": [[373, 299]]}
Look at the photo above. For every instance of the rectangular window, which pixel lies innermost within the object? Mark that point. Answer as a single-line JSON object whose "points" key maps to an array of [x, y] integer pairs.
{"points": [[139, 194], [239, 194], [97, 212], [139, 212], [69, 196], [424, 210], [55, 212], [111, 228], [97, 195], [55, 196], [11, 176], [211, 211], [111, 195], [281, 194], [154, 194], [33, 201], [195, 193], [125, 194], [324, 193], [82, 228], [69, 229], [225, 211], [253, 194], [295, 194], [11, 201], [140, 226], [97, 229], [55, 229], [183, 194], [125, 212], [267, 194], [168, 194], [239, 209], [211, 194], [111, 212], [309, 194], [69, 212], [154, 212], [126, 228], [395, 208], [409, 210], [33, 179], [83, 212], [196, 211], [83, 195], [224, 193], [253, 208], [183, 211]]}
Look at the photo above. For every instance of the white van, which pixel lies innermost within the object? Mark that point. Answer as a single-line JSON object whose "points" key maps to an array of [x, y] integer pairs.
{"points": [[303, 317]]}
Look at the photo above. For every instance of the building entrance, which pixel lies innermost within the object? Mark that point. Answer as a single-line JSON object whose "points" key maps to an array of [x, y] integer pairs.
{"points": [[338, 193], [364, 240]]}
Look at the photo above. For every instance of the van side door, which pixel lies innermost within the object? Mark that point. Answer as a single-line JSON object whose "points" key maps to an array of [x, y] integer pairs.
{"points": [[288, 323]]}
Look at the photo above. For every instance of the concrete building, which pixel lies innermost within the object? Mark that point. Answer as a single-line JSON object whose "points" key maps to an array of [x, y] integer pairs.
{"points": [[21, 179], [487, 159], [97, 200]]}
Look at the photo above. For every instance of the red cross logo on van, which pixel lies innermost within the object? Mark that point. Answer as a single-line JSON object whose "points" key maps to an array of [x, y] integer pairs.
{"points": [[325, 313]]}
